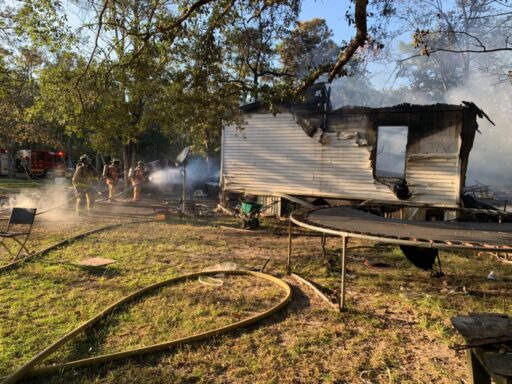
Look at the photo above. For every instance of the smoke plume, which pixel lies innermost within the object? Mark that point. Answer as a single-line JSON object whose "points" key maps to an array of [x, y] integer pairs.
{"points": [[490, 157]]}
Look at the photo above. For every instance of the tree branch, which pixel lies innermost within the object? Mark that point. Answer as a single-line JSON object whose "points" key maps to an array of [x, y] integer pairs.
{"points": [[98, 32], [184, 16], [468, 50], [359, 40]]}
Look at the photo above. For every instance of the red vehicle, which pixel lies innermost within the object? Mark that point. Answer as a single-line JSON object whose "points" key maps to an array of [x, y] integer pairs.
{"points": [[41, 162]]}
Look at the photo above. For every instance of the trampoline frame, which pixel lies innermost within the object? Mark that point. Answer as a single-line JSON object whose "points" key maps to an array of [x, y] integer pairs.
{"points": [[298, 217]]}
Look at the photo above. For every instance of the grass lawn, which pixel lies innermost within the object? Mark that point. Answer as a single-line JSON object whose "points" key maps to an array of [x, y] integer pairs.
{"points": [[14, 185], [396, 328]]}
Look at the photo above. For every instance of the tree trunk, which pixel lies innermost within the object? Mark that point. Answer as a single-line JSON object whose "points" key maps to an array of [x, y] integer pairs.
{"points": [[11, 155], [69, 153], [99, 168], [134, 154], [126, 164]]}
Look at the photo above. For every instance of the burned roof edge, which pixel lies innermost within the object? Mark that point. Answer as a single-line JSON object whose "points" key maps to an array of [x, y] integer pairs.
{"points": [[404, 107]]}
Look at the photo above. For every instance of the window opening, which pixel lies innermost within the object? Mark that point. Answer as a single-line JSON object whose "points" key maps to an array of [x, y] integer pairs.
{"points": [[391, 147]]}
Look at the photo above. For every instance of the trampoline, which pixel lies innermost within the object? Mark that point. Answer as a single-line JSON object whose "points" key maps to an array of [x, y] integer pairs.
{"points": [[348, 223]]}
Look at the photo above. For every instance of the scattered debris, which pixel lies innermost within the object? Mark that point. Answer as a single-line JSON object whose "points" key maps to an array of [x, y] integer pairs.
{"points": [[95, 262], [226, 210], [262, 269], [502, 257]]}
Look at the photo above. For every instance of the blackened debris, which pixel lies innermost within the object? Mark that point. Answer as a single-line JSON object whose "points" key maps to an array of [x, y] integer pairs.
{"points": [[481, 114]]}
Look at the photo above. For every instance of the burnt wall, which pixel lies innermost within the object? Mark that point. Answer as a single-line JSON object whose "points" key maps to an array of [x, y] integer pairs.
{"points": [[430, 131]]}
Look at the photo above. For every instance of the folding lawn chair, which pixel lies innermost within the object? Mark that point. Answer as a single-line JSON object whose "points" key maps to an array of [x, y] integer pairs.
{"points": [[21, 219]]}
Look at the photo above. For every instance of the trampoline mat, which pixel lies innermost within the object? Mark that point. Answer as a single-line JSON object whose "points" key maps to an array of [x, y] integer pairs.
{"points": [[345, 220]]}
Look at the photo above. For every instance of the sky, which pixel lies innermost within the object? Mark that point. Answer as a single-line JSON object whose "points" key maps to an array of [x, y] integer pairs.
{"points": [[333, 11]]}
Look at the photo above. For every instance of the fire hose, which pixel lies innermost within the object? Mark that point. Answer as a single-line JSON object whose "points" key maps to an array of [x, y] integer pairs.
{"points": [[74, 197], [28, 368]]}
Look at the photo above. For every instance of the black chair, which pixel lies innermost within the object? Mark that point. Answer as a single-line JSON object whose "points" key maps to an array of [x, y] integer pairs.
{"points": [[18, 229]]}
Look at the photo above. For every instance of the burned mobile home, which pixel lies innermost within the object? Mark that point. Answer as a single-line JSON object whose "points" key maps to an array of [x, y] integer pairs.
{"points": [[413, 156]]}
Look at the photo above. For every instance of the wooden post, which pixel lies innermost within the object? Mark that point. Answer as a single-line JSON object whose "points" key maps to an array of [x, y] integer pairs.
{"points": [[476, 372], [184, 189], [343, 270], [323, 244], [289, 259]]}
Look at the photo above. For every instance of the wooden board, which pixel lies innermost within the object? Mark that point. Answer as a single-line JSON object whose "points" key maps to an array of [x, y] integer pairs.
{"points": [[95, 262]]}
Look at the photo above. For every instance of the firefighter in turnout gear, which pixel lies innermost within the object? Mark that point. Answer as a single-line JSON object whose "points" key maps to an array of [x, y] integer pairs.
{"points": [[138, 176], [112, 174], [82, 180]]}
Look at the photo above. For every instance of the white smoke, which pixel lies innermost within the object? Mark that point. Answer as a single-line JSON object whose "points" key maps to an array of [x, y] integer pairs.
{"points": [[196, 169], [167, 176], [50, 201], [490, 158]]}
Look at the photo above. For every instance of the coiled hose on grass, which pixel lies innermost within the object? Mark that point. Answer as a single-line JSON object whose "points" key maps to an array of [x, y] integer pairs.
{"points": [[28, 368]]}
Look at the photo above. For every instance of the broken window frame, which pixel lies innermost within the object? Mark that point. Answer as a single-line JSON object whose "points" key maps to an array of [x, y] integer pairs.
{"points": [[400, 174]]}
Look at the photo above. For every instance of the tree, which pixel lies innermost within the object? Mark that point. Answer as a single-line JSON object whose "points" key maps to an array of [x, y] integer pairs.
{"points": [[18, 92], [455, 39], [307, 46], [204, 56]]}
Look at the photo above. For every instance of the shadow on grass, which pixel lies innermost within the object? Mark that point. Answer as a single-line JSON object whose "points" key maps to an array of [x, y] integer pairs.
{"points": [[99, 271]]}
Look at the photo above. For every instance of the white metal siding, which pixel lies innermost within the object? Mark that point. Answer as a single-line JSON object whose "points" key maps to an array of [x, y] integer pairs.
{"points": [[273, 154], [433, 179]]}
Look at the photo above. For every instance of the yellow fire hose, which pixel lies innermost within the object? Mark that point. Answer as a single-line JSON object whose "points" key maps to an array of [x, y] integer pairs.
{"points": [[28, 368], [74, 198]]}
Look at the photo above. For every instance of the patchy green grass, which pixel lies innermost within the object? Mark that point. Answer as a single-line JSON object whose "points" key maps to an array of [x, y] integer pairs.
{"points": [[396, 328], [15, 185]]}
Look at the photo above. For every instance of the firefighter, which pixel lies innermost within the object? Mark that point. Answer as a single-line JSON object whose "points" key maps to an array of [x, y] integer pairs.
{"points": [[112, 175], [82, 181], [138, 176]]}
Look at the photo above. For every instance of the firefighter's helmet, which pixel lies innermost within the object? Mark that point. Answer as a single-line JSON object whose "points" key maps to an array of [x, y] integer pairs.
{"points": [[84, 158], [141, 163], [116, 161]]}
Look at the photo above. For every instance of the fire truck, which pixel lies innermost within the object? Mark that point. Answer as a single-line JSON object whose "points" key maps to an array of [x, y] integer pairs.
{"points": [[41, 162]]}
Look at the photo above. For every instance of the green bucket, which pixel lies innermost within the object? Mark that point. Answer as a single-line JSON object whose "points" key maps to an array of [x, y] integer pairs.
{"points": [[248, 208]]}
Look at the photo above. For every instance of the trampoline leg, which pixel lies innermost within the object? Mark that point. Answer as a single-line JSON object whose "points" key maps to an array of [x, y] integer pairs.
{"points": [[323, 243], [289, 259], [343, 270]]}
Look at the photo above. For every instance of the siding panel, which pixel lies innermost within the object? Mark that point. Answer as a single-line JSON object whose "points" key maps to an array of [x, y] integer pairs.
{"points": [[273, 154]]}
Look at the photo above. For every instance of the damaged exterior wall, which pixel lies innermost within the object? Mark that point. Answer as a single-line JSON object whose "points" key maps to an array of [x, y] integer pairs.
{"points": [[273, 155]]}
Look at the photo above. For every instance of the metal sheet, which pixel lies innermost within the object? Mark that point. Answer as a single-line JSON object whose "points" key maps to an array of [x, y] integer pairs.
{"points": [[433, 180], [273, 154]]}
